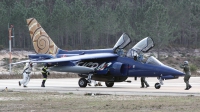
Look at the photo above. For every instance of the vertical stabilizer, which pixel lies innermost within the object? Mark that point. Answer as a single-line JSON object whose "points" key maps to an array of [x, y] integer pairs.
{"points": [[42, 43]]}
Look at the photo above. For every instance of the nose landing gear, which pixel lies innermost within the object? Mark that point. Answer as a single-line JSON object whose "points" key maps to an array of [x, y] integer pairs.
{"points": [[158, 85]]}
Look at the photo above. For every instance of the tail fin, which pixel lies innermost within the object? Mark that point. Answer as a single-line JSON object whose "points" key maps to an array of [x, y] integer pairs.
{"points": [[42, 43]]}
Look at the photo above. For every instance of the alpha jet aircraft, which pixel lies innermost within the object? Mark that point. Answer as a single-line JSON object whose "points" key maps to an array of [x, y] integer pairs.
{"points": [[107, 65]]}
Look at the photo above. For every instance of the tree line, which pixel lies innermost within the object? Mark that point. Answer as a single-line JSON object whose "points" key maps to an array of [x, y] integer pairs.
{"points": [[93, 24]]}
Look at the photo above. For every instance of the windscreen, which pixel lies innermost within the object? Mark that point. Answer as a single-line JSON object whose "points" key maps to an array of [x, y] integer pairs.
{"points": [[152, 60]]}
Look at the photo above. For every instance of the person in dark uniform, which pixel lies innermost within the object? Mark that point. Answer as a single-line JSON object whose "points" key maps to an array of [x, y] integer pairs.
{"points": [[144, 82], [45, 73], [185, 66]]}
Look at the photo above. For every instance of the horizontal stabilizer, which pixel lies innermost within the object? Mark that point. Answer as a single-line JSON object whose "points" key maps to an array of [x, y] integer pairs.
{"points": [[40, 56]]}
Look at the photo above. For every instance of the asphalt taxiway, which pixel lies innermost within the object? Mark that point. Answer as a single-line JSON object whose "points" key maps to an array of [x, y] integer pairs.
{"points": [[173, 87]]}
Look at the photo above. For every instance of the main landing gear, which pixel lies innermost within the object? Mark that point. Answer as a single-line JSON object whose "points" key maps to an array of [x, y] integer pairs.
{"points": [[158, 85], [83, 82], [109, 84]]}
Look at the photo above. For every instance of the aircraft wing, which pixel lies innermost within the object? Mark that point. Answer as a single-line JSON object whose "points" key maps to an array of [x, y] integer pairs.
{"points": [[25, 61], [78, 58], [67, 64]]}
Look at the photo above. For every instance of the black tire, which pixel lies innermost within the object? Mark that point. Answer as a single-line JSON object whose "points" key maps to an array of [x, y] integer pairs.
{"points": [[157, 85], [82, 82], [109, 84]]}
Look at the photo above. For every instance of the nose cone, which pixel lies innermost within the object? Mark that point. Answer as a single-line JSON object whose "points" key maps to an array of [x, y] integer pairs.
{"points": [[166, 70]]}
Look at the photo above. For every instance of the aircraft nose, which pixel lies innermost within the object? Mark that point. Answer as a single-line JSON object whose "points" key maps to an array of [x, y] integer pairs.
{"points": [[172, 71], [177, 73]]}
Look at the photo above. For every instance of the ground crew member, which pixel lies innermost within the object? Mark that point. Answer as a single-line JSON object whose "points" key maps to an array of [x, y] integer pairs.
{"points": [[95, 83], [144, 82], [26, 74], [185, 66], [45, 73], [90, 81]]}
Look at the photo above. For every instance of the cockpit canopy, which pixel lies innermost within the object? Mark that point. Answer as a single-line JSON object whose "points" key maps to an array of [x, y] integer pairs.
{"points": [[152, 60], [123, 41], [144, 45], [141, 47]]}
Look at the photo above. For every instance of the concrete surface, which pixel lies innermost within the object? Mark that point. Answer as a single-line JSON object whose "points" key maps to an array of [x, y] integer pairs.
{"points": [[173, 87]]}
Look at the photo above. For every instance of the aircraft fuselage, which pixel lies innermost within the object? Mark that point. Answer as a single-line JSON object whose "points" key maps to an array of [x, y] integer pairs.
{"points": [[120, 68]]}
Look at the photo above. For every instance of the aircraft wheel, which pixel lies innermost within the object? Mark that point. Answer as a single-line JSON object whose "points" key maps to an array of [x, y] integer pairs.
{"points": [[109, 84], [157, 85], [82, 82]]}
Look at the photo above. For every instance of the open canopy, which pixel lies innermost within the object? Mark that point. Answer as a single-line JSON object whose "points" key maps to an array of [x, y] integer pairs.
{"points": [[144, 45], [123, 41]]}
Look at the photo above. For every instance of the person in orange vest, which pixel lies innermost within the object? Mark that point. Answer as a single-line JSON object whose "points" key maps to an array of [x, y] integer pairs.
{"points": [[45, 73]]}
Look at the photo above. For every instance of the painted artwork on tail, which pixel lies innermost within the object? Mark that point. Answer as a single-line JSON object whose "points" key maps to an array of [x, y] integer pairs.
{"points": [[42, 43]]}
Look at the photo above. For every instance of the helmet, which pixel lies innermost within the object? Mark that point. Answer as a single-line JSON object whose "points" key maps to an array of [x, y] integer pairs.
{"points": [[135, 53], [185, 62]]}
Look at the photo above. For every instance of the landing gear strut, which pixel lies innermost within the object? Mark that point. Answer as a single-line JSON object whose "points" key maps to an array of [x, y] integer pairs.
{"points": [[89, 78], [158, 85], [83, 81]]}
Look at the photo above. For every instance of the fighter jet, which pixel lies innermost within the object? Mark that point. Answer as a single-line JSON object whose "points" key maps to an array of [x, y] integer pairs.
{"points": [[105, 65]]}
